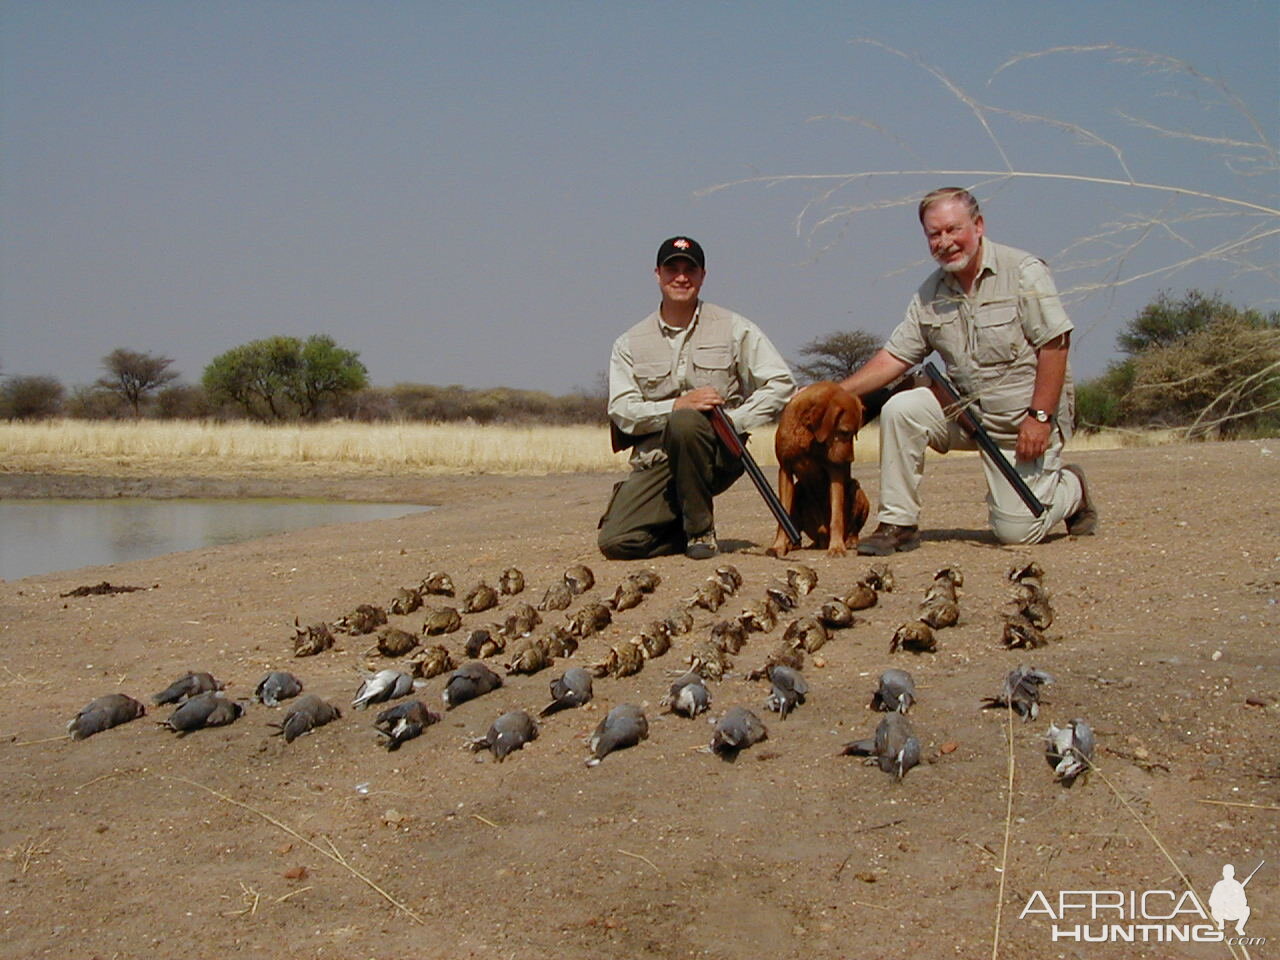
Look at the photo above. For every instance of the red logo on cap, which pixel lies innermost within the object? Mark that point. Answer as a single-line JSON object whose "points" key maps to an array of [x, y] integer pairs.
{"points": [[681, 244]]}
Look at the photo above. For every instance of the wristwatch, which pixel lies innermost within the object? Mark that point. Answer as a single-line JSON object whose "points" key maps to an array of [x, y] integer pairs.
{"points": [[1044, 416]]}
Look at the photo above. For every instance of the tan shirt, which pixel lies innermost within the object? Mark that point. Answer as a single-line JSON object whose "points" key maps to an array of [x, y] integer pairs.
{"points": [[762, 381], [988, 339]]}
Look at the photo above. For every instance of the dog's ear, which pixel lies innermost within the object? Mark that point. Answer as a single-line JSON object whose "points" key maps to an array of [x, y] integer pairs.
{"points": [[830, 416], [853, 407]]}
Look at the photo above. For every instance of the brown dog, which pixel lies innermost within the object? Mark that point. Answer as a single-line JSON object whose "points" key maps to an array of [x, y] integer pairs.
{"points": [[814, 444]]}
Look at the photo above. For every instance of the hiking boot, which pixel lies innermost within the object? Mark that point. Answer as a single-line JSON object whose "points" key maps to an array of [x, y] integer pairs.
{"points": [[702, 547], [889, 538], [1084, 522]]}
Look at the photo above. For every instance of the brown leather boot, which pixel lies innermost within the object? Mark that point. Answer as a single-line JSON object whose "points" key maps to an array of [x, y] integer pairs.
{"points": [[889, 538], [1084, 522]]}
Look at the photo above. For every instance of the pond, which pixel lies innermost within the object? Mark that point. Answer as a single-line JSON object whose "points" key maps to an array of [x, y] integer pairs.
{"points": [[43, 536]]}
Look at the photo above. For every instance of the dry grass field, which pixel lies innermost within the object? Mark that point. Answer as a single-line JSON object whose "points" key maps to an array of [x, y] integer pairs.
{"points": [[165, 447]]}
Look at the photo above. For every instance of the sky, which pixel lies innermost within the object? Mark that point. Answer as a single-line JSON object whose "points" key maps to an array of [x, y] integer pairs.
{"points": [[474, 193]]}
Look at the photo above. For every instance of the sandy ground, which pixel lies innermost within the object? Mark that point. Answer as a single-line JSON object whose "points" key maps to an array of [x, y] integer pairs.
{"points": [[136, 843]]}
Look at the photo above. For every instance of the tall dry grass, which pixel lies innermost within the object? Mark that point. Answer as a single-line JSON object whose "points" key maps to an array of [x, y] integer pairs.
{"points": [[200, 447]]}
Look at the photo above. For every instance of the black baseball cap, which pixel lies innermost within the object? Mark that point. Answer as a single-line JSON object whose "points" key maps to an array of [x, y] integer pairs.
{"points": [[685, 247]]}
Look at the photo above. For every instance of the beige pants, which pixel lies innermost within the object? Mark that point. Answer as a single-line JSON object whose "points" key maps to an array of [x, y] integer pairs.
{"points": [[913, 420]]}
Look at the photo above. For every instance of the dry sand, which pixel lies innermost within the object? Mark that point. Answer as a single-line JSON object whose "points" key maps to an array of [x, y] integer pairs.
{"points": [[135, 843]]}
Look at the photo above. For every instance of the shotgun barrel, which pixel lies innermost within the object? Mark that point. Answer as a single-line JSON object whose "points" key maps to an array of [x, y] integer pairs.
{"points": [[733, 443]]}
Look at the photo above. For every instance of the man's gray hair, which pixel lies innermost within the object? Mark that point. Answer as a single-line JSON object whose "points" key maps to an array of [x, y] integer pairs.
{"points": [[950, 193]]}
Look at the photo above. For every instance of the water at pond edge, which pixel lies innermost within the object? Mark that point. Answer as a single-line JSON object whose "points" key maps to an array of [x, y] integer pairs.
{"points": [[44, 536]]}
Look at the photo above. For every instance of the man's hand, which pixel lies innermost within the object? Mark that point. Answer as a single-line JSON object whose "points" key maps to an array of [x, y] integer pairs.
{"points": [[1033, 439], [703, 398]]}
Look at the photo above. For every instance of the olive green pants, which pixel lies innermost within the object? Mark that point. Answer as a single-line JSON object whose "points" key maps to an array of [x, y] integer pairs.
{"points": [[657, 509]]}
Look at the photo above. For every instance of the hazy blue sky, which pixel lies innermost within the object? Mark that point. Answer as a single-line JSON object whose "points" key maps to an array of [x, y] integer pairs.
{"points": [[473, 193]]}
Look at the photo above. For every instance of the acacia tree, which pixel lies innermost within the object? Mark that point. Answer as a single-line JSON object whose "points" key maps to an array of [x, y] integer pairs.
{"points": [[281, 378], [836, 355], [132, 375]]}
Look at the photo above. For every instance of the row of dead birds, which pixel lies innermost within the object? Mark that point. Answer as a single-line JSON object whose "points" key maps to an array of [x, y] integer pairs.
{"points": [[894, 747]]}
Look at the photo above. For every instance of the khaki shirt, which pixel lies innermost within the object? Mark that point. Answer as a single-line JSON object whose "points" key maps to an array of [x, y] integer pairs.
{"points": [[988, 339], [744, 366]]}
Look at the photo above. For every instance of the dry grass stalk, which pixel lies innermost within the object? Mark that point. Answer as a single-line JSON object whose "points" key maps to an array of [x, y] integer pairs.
{"points": [[331, 854], [628, 853]]}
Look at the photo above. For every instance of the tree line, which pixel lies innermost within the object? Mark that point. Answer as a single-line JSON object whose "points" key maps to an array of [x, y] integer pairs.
{"points": [[1195, 362]]}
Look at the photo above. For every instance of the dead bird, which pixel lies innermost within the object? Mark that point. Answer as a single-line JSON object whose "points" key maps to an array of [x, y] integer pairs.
{"points": [[688, 696], [895, 693], [528, 656], [187, 686], [709, 595], [894, 747], [861, 596], [521, 621], [788, 690], [510, 582], [469, 681], [622, 660], [557, 597], [579, 579], [807, 633], [383, 686], [394, 642], [203, 710], [589, 620], [654, 640], [940, 613], [365, 618], [915, 636], [480, 598], [784, 654], [836, 614], [679, 621], [708, 661], [276, 686], [304, 715], [647, 580], [406, 601], [308, 641], [103, 713], [941, 607], [1031, 601], [729, 635], [738, 729], [569, 690], [431, 662], [559, 642], [624, 726], [729, 578], [438, 584], [1030, 570], [759, 616], [1069, 750], [1019, 633], [627, 595], [509, 733], [802, 578], [1020, 692], [403, 722], [880, 577], [483, 643], [441, 620], [783, 595]]}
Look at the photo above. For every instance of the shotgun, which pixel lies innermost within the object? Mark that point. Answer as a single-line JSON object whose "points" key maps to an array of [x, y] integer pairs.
{"points": [[954, 406], [733, 443]]}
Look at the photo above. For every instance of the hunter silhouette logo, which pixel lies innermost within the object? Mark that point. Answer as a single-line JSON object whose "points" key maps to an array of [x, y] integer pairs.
{"points": [[1228, 900]]}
